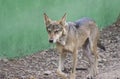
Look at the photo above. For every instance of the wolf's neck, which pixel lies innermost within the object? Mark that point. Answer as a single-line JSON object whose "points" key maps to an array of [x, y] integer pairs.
{"points": [[69, 28]]}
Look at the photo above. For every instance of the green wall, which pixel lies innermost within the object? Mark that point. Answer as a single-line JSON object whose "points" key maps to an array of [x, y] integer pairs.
{"points": [[22, 29]]}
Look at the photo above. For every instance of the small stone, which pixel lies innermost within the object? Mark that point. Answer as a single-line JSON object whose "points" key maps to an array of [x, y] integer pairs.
{"points": [[5, 60], [47, 72], [102, 60], [32, 77]]}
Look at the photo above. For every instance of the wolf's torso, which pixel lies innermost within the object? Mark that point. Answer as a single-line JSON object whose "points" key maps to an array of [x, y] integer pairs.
{"points": [[77, 33]]}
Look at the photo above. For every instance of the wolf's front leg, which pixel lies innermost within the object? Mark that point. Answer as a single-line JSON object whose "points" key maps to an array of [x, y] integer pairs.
{"points": [[73, 72], [60, 67]]}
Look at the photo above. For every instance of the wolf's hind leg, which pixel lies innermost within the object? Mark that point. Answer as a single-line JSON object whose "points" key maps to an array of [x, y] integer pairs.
{"points": [[93, 48], [87, 52]]}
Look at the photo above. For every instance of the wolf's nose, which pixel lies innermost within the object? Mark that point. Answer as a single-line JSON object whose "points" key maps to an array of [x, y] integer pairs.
{"points": [[51, 41]]}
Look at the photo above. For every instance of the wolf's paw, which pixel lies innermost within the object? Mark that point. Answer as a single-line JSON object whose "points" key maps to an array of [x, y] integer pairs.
{"points": [[90, 77], [72, 76], [61, 74]]}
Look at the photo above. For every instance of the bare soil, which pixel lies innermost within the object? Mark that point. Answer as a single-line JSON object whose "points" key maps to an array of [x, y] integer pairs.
{"points": [[42, 65]]}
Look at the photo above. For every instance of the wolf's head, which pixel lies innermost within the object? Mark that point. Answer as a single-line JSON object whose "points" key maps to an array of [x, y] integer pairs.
{"points": [[55, 29]]}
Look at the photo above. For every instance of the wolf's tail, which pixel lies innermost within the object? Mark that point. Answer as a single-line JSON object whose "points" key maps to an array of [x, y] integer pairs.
{"points": [[101, 46]]}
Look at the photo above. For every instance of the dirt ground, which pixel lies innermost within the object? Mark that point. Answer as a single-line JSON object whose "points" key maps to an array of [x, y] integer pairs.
{"points": [[42, 65]]}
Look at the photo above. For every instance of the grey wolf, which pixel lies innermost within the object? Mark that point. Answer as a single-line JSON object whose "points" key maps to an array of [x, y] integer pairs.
{"points": [[70, 37]]}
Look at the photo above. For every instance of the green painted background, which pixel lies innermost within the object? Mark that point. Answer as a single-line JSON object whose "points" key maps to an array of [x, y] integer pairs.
{"points": [[22, 29]]}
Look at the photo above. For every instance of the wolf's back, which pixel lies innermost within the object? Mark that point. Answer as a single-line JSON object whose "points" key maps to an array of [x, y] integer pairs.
{"points": [[83, 21]]}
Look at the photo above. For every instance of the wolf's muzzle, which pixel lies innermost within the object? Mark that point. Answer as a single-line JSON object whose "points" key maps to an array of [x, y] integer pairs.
{"points": [[51, 41]]}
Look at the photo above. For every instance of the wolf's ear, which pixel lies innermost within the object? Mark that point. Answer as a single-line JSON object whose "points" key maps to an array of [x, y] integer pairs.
{"points": [[47, 20], [63, 20]]}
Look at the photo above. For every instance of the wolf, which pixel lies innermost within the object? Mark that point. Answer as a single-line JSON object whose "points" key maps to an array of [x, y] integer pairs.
{"points": [[72, 36]]}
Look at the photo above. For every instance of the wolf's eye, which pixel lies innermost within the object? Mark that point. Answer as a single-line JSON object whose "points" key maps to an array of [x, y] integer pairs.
{"points": [[49, 31]]}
